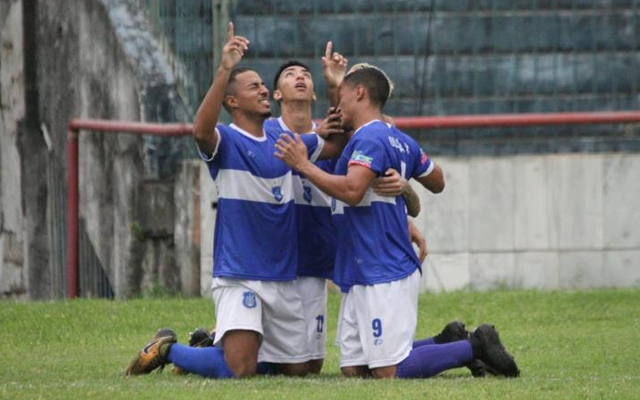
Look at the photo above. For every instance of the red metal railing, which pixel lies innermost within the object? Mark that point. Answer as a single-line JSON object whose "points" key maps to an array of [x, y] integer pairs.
{"points": [[454, 121], [73, 195]]}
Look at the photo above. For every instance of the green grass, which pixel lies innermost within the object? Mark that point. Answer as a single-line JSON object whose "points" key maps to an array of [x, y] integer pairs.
{"points": [[569, 345]]}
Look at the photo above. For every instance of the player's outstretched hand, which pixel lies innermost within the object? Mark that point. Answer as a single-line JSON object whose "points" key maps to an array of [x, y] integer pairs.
{"points": [[332, 124], [292, 150], [334, 66], [233, 51], [391, 184]]}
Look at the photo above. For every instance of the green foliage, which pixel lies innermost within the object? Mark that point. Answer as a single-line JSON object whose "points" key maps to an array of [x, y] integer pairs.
{"points": [[569, 345], [158, 291]]}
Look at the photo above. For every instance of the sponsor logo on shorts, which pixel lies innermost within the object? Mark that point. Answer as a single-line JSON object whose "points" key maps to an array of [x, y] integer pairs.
{"points": [[249, 299], [277, 193], [377, 342], [307, 194]]}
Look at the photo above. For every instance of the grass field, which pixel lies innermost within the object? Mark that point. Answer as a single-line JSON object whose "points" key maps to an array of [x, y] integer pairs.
{"points": [[569, 345]]}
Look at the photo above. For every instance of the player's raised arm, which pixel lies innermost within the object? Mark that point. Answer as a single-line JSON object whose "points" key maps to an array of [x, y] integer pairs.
{"points": [[334, 67], [204, 126]]}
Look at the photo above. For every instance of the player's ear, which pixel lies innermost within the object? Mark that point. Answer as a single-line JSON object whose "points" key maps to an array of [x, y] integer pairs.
{"points": [[277, 95], [360, 92], [231, 101]]}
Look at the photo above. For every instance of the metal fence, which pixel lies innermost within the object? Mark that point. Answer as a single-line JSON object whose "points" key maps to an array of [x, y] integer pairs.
{"points": [[446, 57]]}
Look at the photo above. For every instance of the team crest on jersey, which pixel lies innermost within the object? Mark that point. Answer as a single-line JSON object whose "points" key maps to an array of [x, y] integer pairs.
{"points": [[307, 194], [249, 299], [277, 193]]}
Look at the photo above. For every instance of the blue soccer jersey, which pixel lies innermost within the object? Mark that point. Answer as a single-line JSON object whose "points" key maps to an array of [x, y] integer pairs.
{"points": [[373, 238], [316, 231], [256, 229]]}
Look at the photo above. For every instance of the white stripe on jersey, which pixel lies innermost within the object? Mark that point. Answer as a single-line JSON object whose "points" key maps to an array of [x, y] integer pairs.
{"points": [[428, 171], [242, 185], [318, 197], [369, 197], [313, 157]]}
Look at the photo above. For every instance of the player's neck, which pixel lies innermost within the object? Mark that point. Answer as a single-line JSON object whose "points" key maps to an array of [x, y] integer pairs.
{"points": [[366, 115], [297, 116], [251, 123]]}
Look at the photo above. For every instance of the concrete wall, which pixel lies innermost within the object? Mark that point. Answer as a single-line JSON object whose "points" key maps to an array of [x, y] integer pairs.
{"points": [[549, 222], [13, 275], [91, 59], [544, 222]]}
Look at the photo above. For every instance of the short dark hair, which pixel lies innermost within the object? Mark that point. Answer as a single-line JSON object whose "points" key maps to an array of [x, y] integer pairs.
{"points": [[291, 63], [231, 84], [374, 80]]}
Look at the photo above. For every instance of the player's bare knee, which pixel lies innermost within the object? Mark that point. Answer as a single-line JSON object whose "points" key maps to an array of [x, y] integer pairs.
{"points": [[315, 366], [299, 370], [384, 372], [243, 370], [355, 372]]}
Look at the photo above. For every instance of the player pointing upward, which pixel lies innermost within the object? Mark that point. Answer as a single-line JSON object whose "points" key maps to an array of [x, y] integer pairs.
{"points": [[376, 267]]}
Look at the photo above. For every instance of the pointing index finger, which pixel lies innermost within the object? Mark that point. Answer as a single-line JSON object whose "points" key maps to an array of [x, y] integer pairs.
{"points": [[230, 31], [328, 50]]}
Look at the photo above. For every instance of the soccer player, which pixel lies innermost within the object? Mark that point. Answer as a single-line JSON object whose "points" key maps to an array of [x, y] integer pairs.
{"points": [[376, 268], [258, 308], [294, 92]]}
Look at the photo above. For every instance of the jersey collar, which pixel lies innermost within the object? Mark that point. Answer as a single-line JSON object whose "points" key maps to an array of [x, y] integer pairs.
{"points": [[286, 128], [247, 134], [365, 125]]}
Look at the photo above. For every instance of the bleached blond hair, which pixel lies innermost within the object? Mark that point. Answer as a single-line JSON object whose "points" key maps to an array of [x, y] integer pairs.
{"points": [[361, 66]]}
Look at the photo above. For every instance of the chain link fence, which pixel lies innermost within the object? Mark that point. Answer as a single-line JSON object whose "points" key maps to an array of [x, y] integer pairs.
{"points": [[446, 57]]}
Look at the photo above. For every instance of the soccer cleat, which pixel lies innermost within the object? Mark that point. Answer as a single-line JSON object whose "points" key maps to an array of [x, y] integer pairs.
{"points": [[494, 355], [153, 354], [453, 332], [201, 338]]}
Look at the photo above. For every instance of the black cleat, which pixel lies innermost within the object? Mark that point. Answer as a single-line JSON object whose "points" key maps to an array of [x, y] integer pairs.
{"points": [[494, 355], [452, 332], [200, 338]]}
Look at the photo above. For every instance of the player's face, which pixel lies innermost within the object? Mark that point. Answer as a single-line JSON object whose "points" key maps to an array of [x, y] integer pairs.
{"points": [[251, 94], [347, 105], [295, 84]]}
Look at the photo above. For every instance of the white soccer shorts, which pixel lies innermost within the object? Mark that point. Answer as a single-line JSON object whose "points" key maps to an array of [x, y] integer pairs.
{"points": [[313, 292], [273, 309], [377, 323]]}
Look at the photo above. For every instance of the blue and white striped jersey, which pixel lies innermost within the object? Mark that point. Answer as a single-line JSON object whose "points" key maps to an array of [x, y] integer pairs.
{"points": [[373, 243], [316, 232], [256, 229]]}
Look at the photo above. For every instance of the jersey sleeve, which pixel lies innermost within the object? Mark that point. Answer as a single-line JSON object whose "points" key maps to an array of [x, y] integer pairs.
{"points": [[422, 165], [366, 152], [213, 159], [314, 144]]}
